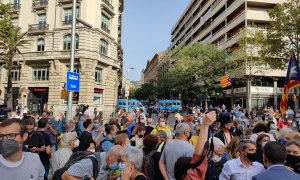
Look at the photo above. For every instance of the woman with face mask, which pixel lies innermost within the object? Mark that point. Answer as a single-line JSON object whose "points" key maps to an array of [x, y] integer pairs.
{"points": [[162, 125], [261, 141], [69, 141], [293, 155]]}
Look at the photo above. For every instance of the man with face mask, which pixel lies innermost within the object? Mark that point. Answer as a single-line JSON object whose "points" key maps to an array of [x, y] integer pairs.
{"points": [[244, 167], [293, 155], [274, 156], [214, 163], [174, 149], [14, 163], [162, 125], [84, 168]]}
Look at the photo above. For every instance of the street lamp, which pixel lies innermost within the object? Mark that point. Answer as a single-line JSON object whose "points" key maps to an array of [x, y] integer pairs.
{"points": [[127, 87], [72, 56]]}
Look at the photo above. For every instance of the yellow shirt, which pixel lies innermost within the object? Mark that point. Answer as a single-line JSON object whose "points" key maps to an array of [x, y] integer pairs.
{"points": [[164, 128], [193, 141]]}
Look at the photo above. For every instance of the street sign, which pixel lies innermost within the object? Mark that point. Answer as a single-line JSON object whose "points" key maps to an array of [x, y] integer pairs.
{"points": [[72, 81], [126, 93]]}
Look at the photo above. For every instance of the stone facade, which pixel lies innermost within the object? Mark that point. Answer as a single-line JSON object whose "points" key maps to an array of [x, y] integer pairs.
{"points": [[98, 56], [150, 72]]}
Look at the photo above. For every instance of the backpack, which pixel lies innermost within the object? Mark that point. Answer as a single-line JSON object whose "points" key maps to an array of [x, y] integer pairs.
{"points": [[148, 165], [77, 156]]}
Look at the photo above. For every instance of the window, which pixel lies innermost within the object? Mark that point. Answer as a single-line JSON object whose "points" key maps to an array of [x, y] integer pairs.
{"points": [[76, 68], [105, 23], [41, 44], [68, 15], [15, 74], [15, 21], [67, 42], [103, 47], [98, 74], [42, 21], [40, 74], [98, 98]]}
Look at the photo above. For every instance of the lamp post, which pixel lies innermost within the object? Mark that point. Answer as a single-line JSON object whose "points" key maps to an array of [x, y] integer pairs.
{"points": [[72, 54], [127, 87]]}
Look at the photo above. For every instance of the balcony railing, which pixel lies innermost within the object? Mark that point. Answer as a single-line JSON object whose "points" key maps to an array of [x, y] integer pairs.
{"points": [[105, 28], [108, 4], [15, 7], [39, 4], [67, 1], [38, 28]]}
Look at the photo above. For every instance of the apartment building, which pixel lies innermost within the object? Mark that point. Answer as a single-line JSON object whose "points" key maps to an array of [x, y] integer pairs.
{"points": [[98, 56], [219, 22], [150, 72]]}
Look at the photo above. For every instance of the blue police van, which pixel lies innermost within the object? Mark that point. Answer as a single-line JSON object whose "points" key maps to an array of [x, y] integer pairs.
{"points": [[132, 104]]}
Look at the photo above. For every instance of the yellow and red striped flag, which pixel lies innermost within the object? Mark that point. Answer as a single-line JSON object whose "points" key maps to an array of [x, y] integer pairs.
{"points": [[292, 80], [225, 81]]}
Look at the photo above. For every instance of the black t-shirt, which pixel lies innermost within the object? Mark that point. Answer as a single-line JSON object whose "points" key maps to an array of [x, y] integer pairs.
{"points": [[85, 135], [45, 158], [35, 139], [148, 130]]}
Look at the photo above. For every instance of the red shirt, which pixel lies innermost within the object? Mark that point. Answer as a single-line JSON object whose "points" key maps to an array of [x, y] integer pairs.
{"points": [[199, 172]]}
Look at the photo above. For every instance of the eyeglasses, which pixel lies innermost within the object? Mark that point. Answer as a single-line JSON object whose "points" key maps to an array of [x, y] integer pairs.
{"points": [[9, 136]]}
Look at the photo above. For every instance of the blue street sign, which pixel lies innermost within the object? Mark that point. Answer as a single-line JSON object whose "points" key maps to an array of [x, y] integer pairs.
{"points": [[72, 81]]}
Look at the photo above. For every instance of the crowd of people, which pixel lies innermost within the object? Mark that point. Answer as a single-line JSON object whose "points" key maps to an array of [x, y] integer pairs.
{"points": [[212, 144]]}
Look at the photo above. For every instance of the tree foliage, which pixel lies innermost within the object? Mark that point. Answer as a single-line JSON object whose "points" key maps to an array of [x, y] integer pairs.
{"points": [[194, 69], [146, 91], [283, 34]]}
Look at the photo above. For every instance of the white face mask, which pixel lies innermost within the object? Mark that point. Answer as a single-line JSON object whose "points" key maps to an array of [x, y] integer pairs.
{"points": [[263, 144], [216, 159], [76, 143], [93, 150], [162, 123], [57, 118]]}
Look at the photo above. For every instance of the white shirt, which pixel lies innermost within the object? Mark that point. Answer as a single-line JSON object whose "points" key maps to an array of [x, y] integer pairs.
{"points": [[235, 170]]}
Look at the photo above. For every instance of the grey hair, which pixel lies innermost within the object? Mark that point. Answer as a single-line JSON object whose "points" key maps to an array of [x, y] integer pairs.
{"points": [[180, 128], [135, 156], [217, 143], [162, 134], [283, 132], [67, 137], [72, 124], [295, 142], [243, 144]]}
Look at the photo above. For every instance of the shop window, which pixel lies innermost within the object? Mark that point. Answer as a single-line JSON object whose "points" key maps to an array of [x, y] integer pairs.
{"points": [[98, 98], [40, 74]]}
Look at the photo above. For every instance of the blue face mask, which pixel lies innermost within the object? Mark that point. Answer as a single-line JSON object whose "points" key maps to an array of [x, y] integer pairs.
{"points": [[96, 126], [121, 167], [114, 166]]}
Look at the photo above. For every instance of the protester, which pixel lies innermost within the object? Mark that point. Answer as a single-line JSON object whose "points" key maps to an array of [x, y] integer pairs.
{"points": [[122, 140], [260, 128], [45, 156], [178, 119], [189, 119], [261, 141], [14, 163], [86, 134], [232, 148], [274, 157], [245, 166], [107, 141], [283, 132], [293, 155], [174, 149], [80, 128], [162, 140], [68, 142], [162, 125], [187, 168], [51, 131], [84, 168], [149, 126], [194, 139], [225, 135], [97, 132], [130, 124], [139, 136]]}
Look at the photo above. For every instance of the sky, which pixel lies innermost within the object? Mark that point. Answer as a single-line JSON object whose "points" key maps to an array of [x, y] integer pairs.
{"points": [[146, 30]]}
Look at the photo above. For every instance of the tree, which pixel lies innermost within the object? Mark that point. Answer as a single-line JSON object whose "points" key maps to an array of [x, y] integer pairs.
{"points": [[146, 91], [283, 34], [195, 69], [11, 40]]}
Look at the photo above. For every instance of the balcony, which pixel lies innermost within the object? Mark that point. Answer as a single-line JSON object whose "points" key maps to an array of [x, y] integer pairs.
{"points": [[105, 29], [61, 2], [39, 4], [15, 8], [68, 22], [107, 7], [38, 28]]}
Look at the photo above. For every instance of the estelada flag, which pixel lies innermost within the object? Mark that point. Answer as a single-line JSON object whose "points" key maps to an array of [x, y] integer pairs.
{"points": [[292, 80], [225, 81]]}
